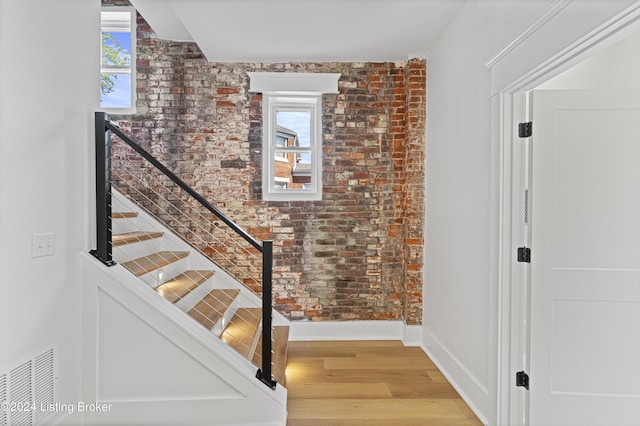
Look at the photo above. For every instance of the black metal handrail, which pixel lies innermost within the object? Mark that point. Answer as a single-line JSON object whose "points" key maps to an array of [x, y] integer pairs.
{"points": [[103, 251]]}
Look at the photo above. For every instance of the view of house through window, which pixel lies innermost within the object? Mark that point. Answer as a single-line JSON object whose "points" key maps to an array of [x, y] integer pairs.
{"points": [[293, 151], [116, 70]]}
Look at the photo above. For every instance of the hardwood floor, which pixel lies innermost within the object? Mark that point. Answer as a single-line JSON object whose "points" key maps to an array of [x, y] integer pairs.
{"points": [[372, 383]]}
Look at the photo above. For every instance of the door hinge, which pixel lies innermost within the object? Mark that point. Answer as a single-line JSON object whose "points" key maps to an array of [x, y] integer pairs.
{"points": [[522, 379], [524, 255], [525, 130]]}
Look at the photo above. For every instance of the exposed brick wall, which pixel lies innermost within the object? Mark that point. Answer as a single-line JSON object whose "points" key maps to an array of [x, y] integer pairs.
{"points": [[413, 195], [356, 254]]}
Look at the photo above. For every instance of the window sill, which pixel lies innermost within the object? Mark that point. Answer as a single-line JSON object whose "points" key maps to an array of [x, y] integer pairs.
{"points": [[292, 195]]}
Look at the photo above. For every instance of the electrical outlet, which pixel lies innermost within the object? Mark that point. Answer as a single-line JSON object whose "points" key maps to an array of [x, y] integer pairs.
{"points": [[43, 245]]}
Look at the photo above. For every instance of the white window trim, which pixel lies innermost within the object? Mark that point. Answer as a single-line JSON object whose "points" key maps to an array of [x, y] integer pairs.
{"points": [[292, 91], [117, 25], [270, 105]]}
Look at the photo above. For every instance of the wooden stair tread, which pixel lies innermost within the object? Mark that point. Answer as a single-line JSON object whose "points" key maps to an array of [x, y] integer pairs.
{"points": [[153, 261], [181, 285], [242, 329], [134, 237], [212, 307], [124, 215], [280, 346]]}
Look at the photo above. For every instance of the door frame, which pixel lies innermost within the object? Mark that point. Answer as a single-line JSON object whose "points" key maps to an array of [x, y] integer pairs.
{"points": [[510, 107]]}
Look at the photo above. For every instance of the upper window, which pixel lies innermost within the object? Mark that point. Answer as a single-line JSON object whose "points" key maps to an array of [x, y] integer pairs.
{"points": [[117, 70], [292, 133]]}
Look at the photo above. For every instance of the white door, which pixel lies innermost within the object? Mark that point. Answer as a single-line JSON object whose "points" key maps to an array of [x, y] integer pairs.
{"points": [[585, 258]]}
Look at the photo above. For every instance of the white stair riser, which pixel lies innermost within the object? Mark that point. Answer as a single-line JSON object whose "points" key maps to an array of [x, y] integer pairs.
{"points": [[190, 300], [127, 252], [120, 226], [219, 327], [256, 339], [169, 271]]}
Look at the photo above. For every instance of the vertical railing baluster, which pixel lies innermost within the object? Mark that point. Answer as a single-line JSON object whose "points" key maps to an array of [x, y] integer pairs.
{"points": [[264, 374], [103, 250]]}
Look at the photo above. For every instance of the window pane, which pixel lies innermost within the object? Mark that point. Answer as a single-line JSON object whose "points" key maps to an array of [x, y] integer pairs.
{"points": [[299, 122], [294, 168], [116, 48], [119, 93], [293, 172], [117, 38]]}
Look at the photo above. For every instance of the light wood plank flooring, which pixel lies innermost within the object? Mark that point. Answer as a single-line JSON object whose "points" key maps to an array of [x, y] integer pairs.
{"points": [[372, 383]]}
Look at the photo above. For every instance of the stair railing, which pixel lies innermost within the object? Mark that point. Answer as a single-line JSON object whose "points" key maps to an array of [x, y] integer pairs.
{"points": [[104, 247]]}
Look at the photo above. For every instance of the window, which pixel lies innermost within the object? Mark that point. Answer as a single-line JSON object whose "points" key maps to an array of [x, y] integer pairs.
{"points": [[292, 133], [292, 139], [117, 70]]}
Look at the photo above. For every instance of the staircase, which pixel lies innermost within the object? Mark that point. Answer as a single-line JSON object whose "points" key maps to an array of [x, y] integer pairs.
{"points": [[193, 284], [152, 301]]}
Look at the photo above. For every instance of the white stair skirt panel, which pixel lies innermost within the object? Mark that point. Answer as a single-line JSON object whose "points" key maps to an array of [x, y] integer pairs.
{"points": [[151, 364], [154, 371]]}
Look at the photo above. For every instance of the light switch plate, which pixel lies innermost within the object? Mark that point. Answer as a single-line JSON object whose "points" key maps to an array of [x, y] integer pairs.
{"points": [[43, 245]]}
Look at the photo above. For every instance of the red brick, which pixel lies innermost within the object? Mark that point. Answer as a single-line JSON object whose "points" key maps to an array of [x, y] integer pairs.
{"points": [[228, 91], [226, 104]]}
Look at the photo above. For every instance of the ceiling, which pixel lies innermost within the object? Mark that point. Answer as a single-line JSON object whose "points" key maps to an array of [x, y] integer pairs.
{"points": [[302, 30]]}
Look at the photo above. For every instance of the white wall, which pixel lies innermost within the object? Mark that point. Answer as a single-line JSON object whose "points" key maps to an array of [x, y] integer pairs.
{"points": [[462, 258], [48, 89]]}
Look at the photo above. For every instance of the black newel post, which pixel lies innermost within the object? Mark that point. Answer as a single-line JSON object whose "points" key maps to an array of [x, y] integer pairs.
{"points": [[103, 191], [264, 374]]}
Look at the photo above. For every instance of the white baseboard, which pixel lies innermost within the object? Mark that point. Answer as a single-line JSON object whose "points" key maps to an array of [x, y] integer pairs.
{"points": [[455, 372], [410, 335]]}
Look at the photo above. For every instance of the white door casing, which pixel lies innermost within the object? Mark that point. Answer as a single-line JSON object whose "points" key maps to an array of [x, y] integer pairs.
{"points": [[585, 267], [510, 106]]}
